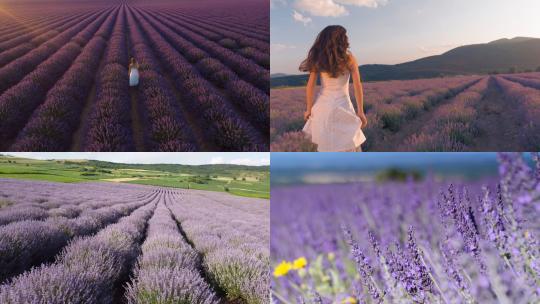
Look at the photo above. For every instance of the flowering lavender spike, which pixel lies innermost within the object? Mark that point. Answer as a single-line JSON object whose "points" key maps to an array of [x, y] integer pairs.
{"points": [[536, 158], [317, 298], [449, 257], [493, 221], [363, 267], [457, 210], [420, 270]]}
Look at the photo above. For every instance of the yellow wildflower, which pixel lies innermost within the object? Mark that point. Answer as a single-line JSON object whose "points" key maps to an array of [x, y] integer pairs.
{"points": [[331, 256], [282, 269], [299, 263], [349, 300]]}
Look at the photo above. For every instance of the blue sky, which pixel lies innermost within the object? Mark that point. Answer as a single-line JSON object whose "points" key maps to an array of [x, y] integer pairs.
{"points": [[394, 31], [187, 158], [378, 160]]}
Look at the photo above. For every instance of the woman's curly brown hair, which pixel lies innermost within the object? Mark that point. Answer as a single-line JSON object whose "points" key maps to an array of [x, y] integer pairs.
{"points": [[329, 53]]}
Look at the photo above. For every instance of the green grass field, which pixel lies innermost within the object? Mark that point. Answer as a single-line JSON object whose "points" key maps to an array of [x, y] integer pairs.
{"points": [[237, 180]]}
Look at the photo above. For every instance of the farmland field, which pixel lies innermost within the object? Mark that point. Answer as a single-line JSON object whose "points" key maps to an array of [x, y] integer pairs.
{"points": [[238, 180], [434, 240], [122, 243], [465, 113], [204, 76]]}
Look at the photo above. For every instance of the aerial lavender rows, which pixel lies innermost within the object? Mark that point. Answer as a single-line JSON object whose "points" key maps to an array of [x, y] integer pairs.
{"points": [[466, 113], [112, 243], [204, 77], [414, 242]]}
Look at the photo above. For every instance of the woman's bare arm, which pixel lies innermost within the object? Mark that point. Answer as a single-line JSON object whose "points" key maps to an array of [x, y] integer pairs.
{"points": [[358, 90], [310, 92]]}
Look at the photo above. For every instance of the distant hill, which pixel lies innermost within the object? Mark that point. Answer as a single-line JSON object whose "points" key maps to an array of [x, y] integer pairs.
{"points": [[276, 75], [222, 169], [176, 168], [503, 55]]}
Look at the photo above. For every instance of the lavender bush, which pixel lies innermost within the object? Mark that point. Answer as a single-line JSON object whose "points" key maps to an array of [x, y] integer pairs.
{"points": [[31, 242], [414, 242]]}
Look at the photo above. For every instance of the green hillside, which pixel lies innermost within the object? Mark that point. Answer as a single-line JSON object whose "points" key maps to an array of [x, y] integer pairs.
{"points": [[247, 181]]}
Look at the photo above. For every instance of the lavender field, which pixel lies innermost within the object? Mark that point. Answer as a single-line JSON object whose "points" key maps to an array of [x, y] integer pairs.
{"points": [[119, 243], [204, 76], [467, 113], [430, 241]]}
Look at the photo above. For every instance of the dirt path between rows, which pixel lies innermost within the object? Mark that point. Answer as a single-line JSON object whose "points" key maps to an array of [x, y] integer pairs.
{"points": [[136, 122], [499, 122], [137, 126]]}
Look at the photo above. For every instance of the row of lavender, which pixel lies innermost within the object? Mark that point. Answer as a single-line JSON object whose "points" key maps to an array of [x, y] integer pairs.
{"points": [[42, 200], [17, 44], [525, 92], [407, 115], [168, 267], [232, 238], [225, 81], [36, 30], [151, 244], [415, 242]]}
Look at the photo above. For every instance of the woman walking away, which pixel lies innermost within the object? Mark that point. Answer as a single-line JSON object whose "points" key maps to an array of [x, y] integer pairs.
{"points": [[332, 123], [133, 73]]}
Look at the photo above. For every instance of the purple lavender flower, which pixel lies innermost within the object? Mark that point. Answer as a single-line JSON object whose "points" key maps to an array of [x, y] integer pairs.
{"points": [[363, 267], [419, 269], [449, 257], [458, 210]]}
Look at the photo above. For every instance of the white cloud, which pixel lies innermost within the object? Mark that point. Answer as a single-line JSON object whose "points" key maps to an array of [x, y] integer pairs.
{"points": [[334, 8], [301, 18], [250, 161], [278, 47], [241, 161], [366, 3], [217, 160], [324, 8]]}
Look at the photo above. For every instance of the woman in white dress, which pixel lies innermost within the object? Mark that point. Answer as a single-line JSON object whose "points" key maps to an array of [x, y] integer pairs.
{"points": [[133, 73], [332, 123]]}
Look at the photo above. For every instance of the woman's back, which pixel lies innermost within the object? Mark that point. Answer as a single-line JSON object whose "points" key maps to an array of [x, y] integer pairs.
{"points": [[333, 85]]}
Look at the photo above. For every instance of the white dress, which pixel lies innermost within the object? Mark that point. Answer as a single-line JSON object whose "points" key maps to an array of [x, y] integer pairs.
{"points": [[134, 77], [333, 124]]}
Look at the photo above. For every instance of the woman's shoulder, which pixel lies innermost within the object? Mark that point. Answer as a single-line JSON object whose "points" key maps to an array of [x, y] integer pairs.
{"points": [[351, 56], [352, 62]]}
